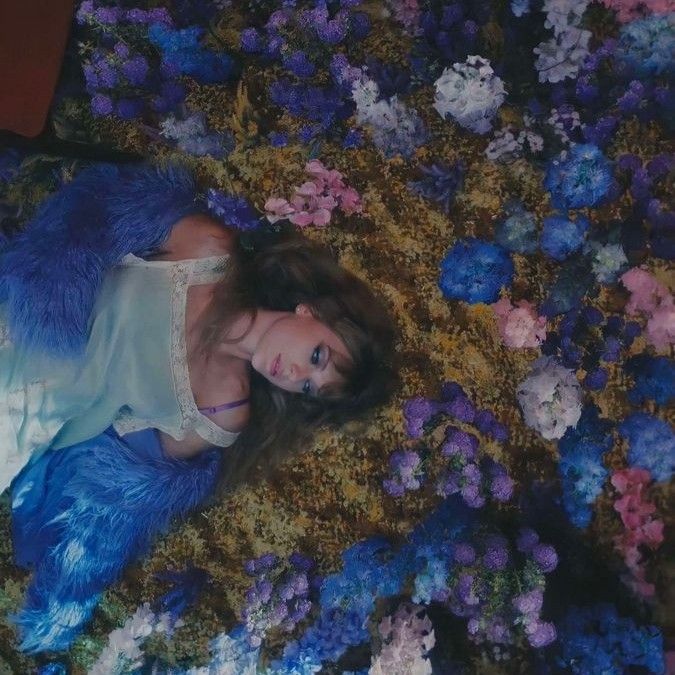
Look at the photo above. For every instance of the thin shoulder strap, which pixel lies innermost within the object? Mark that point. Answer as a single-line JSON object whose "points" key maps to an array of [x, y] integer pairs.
{"points": [[224, 406]]}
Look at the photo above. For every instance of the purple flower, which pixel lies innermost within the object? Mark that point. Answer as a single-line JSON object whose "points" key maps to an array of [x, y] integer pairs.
{"points": [[353, 139], [461, 408], [459, 442], [541, 634], [101, 105], [527, 540], [530, 602], [299, 64], [464, 554], [136, 70], [129, 108], [501, 488], [496, 552], [417, 412], [545, 556], [465, 590], [472, 496], [251, 41], [596, 379]]}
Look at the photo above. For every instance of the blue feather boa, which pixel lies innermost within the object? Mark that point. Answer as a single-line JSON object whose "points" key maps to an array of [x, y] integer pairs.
{"points": [[51, 272], [81, 514]]}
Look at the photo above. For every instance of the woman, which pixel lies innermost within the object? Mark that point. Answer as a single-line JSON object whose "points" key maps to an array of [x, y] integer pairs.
{"points": [[195, 339]]}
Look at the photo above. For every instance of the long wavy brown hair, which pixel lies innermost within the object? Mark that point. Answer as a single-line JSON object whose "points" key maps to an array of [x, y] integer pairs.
{"points": [[277, 271]]}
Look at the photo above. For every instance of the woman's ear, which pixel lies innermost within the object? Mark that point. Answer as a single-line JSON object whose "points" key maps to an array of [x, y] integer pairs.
{"points": [[303, 310]]}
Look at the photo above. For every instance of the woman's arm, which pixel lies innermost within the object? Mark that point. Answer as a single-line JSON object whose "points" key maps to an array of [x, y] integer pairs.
{"points": [[190, 446]]}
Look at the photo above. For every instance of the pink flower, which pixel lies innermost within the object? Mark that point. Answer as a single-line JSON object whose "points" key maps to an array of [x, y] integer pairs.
{"points": [[626, 479], [277, 209], [647, 293], [519, 326], [629, 10], [350, 201], [661, 326]]}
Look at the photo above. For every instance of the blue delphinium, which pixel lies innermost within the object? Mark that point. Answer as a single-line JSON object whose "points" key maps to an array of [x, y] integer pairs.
{"points": [[645, 47], [475, 271], [234, 211], [579, 177], [517, 232], [654, 378], [183, 53], [597, 640], [441, 182], [561, 236], [581, 470], [651, 444]]}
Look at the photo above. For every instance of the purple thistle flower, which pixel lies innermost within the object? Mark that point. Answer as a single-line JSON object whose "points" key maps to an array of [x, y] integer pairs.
{"points": [[136, 70], [101, 105], [458, 442], [545, 556], [465, 591], [461, 408], [541, 634], [417, 412], [299, 64], [472, 496], [529, 603], [450, 391], [527, 540], [501, 488], [464, 554]]}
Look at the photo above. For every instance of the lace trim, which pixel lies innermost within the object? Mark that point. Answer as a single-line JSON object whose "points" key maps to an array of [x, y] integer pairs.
{"points": [[191, 418]]}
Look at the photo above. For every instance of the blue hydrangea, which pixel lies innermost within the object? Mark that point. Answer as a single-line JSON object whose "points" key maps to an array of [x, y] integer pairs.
{"points": [[561, 236], [475, 271], [517, 233], [651, 444], [654, 378], [581, 469], [578, 178], [597, 640], [234, 211], [645, 47]]}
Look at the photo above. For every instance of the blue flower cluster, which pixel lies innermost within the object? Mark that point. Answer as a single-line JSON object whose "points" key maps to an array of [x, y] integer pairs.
{"points": [[581, 178], [581, 470], [597, 640], [651, 444], [182, 54], [518, 231], [234, 211], [654, 378], [645, 46], [441, 182], [475, 271], [562, 236]]}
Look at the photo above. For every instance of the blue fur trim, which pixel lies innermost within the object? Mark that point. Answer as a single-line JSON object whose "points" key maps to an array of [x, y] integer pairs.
{"points": [[81, 514], [50, 273]]}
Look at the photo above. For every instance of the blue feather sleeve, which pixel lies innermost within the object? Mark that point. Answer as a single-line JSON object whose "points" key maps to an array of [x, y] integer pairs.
{"points": [[51, 272], [81, 514]]}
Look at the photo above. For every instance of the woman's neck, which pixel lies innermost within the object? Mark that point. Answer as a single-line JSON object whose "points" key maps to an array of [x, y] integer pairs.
{"points": [[240, 325]]}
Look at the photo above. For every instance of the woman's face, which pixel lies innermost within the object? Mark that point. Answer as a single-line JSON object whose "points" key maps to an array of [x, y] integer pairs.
{"points": [[298, 353]]}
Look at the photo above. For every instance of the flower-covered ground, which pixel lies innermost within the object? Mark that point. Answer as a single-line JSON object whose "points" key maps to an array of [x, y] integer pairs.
{"points": [[501, 172]]}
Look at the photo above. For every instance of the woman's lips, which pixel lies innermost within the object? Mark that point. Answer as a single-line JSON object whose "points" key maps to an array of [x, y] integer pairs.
{"points": [[275, 366]]}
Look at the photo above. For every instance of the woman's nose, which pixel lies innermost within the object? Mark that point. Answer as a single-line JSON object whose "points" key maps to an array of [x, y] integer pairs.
{"points": [[296, 373]]}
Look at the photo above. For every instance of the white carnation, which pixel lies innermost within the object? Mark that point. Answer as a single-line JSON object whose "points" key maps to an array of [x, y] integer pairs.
{"points": [[561, 14], [470, 93], [406, 639], [550, 398]]}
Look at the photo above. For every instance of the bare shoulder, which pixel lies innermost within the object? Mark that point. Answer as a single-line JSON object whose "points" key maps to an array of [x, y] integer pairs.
{"points": [[197, 236], [227, 383]]}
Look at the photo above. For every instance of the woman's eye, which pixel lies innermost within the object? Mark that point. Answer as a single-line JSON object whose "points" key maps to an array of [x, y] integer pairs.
{"points": [[306, 387], [316, 355]]}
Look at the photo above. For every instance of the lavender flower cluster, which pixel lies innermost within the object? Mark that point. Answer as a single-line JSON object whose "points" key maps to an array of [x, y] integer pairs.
{"points": [[500, 590], [279, 596], [134, 68], [464, 472]]}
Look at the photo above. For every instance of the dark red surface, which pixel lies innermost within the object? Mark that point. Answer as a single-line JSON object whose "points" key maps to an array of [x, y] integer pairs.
{"points": [[33, 35]]}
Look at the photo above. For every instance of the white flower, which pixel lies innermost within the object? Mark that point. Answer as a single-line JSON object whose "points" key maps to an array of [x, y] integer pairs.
{"points": [[406, 639], [608, 261], [550, 398], [560, 121], [562, 55], [561, 14], [504, 146], [471, 93]]}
